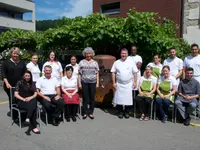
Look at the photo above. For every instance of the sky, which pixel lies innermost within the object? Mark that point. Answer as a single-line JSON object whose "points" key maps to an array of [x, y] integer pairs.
{"points": [[54, 9]]}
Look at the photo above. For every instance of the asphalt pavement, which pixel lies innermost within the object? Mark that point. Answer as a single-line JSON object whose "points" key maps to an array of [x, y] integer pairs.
{"points": [[105, 132]]}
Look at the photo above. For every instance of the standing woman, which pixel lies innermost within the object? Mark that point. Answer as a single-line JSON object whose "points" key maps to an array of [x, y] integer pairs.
{"points": [[12, 71], [166, 89], [75, 66], [33, 67], [156, 66], [88, 81], [57, 71], [69, 86], [25, 93]]}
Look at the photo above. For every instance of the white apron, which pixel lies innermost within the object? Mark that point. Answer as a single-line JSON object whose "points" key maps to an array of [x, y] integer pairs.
{"points": [[123, 93]]}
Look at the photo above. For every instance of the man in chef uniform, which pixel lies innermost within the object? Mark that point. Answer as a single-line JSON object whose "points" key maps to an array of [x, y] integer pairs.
{"points": [[124, 77]]}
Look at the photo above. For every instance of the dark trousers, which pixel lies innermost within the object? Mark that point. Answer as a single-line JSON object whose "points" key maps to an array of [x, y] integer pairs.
{"points": [[125, 110], [88, 93], [144, 104], [71, 110], [57, 104], [31, 108], [162, 106], [8, 93]]}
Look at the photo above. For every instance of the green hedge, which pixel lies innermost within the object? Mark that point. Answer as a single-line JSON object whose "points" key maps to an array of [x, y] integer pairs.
{"points": [[152, 34]]}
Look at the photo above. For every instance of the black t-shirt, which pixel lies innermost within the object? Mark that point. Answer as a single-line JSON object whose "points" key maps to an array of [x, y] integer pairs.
{"points": [[13, 72], [24, 89]]}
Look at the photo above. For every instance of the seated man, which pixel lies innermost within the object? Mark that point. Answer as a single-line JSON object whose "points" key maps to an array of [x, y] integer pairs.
{"points": [[147, 88], [188, 92], [48, 90]]}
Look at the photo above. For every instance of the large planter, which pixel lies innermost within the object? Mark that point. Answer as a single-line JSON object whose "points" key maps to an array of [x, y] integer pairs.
{"points": [[104, 94]]}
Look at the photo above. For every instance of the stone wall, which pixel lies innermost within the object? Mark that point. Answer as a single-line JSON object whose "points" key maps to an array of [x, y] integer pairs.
{"points": [[191, 22]]}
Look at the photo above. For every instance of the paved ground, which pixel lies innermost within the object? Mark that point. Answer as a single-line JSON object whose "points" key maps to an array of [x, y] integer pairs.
{"points": [[105, 132]]}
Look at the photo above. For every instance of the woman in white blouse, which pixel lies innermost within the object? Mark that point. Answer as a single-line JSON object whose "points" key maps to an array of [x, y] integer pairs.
{"points": [[69, 86], [57, 71], [73, 63], [34, 68]]}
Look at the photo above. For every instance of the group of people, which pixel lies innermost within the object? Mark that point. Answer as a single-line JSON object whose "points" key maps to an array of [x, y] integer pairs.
{"points": [[173, 82], [57, 91]]}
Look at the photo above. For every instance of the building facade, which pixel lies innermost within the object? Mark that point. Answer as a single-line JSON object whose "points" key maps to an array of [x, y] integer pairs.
{"points": [[12, 14], [185, 13]]}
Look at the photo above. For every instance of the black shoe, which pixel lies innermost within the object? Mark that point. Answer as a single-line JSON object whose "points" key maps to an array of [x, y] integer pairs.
{"points": [[9, 114], [68, 119], [74, 119], [84, 117], [120, 116], [54, 122], [187, 122], [126, 115], [91, 117]]}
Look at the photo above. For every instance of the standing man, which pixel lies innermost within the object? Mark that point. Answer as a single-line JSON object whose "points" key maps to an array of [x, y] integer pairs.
{"points": [[48, 89], [188, 92], [136, 60], [193, 61], [124, 77], [175, 64]]}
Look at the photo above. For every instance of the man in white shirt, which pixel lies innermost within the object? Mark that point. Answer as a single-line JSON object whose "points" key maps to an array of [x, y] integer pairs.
{"points": [[48, 89], [175, 64], [124, 77], [74, 65], [138, 62]]}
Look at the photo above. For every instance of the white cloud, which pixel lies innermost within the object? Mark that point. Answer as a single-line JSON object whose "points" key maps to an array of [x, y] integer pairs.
{"points": [[79, 8]]}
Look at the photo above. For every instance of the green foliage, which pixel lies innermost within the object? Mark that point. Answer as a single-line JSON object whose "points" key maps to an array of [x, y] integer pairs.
{"points": [[43, 25], [152, 34]]}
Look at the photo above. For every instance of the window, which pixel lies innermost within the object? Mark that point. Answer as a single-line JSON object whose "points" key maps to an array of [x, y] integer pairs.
{"points": [[113, 8]]}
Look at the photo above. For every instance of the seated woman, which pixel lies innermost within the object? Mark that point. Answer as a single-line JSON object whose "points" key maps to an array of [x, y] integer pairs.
{"points": [[25, 93], [156, 66], [147, 88], [69, 86], [166, 89]]}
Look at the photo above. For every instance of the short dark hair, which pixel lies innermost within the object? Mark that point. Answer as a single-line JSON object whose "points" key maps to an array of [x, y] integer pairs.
{"points": [[68, 68], [166, 67], [194, 45], [189, 69], [171, 48], [133, 45]]}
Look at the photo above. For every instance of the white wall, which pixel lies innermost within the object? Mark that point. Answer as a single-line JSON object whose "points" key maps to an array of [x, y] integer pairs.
{"points": [[24, 4], [18, 24]]}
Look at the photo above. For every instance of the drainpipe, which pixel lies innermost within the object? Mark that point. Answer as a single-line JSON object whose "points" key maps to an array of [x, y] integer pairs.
{"points": [[182, 18]]}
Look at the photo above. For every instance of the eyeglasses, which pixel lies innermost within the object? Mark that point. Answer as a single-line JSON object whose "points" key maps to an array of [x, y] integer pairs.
{"points": [[195, 49]]}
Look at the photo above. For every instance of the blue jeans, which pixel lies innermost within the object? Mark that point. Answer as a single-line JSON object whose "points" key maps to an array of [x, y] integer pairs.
{"points": [[162, 106]]}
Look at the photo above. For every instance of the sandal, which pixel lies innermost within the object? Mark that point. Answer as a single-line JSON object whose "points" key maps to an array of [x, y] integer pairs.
{"points": [[142, 118]]}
